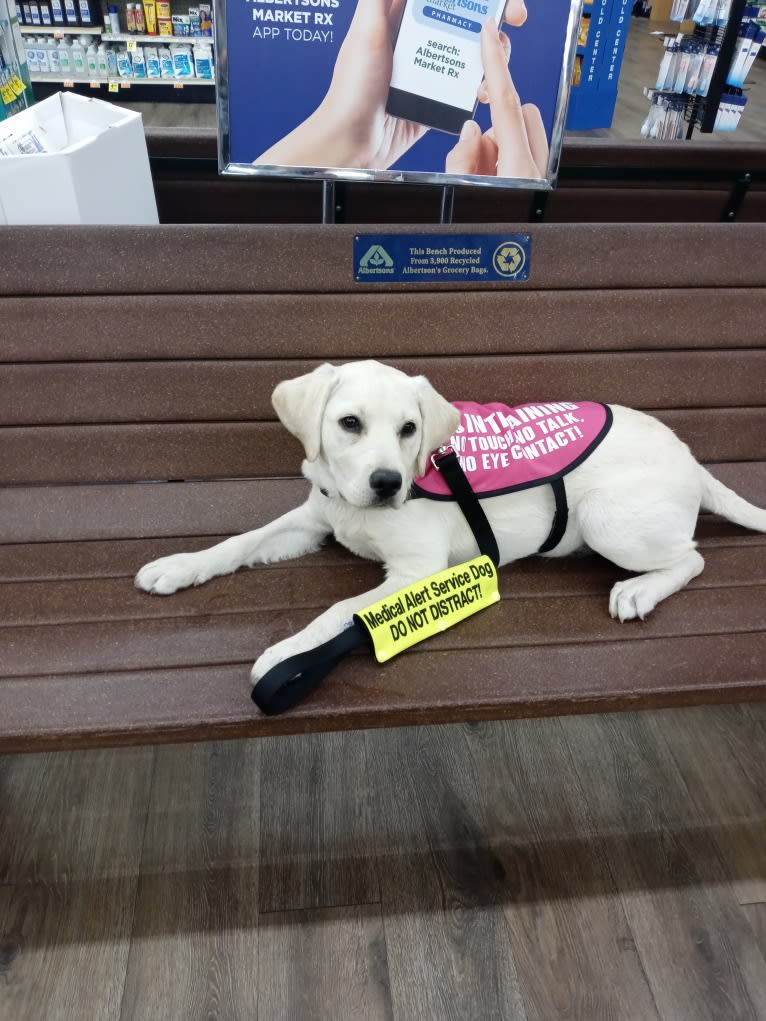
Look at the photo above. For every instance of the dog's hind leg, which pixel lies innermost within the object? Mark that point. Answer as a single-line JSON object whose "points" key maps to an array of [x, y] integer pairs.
{"points": [[651, 535]]}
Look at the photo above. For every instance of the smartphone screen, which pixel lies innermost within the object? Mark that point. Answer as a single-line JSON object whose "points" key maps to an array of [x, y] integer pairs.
{"points": [[437, 61]]}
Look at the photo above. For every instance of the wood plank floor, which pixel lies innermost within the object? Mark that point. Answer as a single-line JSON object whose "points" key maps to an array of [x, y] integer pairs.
{"points": [[591, 868]]}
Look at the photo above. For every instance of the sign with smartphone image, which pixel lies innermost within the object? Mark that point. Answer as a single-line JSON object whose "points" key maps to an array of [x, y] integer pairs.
{"points": [[441, 91], [437, 62]]}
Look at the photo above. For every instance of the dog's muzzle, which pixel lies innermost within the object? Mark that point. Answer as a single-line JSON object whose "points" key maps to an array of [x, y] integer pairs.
{"points": [[385, 484]]}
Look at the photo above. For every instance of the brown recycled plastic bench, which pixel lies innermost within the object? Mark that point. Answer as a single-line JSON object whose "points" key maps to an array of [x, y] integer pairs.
{"points": [[136, 367]]}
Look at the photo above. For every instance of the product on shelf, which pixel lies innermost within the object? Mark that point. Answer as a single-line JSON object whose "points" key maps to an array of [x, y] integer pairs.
{"points": [[203, 61], [181, 24], [150, 16], [113, 19], [152, 58], [206, 19], [183, 61], [87, 12], [166, 62], [139, 62]]}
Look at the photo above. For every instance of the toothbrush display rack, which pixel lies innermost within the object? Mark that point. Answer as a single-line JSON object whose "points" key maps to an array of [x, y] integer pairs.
{"points": [[701, 76]]}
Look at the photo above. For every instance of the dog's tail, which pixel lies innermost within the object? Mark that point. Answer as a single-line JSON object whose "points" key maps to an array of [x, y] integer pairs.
{"points": [[719, 499]]}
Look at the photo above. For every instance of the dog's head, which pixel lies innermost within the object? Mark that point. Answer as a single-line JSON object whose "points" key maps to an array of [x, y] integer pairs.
{"points": [[367, 429]]}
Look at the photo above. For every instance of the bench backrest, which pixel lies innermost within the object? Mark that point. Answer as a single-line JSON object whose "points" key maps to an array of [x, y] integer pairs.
{"points": [[150, 354], [599, 182]]}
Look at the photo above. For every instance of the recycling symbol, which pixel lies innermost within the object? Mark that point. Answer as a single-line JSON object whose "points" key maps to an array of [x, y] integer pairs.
{"points": [[509, 259]]}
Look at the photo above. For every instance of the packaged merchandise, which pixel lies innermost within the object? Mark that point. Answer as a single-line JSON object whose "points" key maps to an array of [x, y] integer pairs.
{"points": [[130, 15], [139, 62], [45, 13], [166, 62], [183, 61], [53, 58], [203, 61], [150, 16], [102, 62], [194, 21], [206, 19], [57, 12], [65, 58], [138, 15], [79, 65], [70, 12], [91, 60], [87, 11], [113, 19], [165, 26], [124, 63], [111, 62], [152, 57], [181, 25], [41, 51], [30, 46]]}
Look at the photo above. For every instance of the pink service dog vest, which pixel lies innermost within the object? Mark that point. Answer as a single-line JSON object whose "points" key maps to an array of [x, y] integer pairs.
{"points": [[504, 449]]}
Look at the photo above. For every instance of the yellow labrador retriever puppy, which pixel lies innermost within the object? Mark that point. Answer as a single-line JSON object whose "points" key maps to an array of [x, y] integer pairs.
{"points": [[369, 430]]}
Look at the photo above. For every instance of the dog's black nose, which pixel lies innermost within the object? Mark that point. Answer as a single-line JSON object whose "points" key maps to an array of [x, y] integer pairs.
{"points": [[385, 483]]}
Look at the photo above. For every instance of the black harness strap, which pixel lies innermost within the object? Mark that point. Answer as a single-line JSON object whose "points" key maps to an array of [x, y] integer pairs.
{"points": [[560, 518], [445, 461]]}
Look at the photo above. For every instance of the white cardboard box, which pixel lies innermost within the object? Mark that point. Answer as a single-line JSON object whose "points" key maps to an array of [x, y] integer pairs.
{"points": [[100, 173]]}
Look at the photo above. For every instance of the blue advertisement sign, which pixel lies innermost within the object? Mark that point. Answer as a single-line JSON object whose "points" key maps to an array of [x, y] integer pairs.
{"points": [[451, 91], [441, 258]]}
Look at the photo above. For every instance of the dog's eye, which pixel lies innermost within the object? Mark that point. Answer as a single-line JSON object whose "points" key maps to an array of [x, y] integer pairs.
{"points": [[351, 424], [408, 429]]}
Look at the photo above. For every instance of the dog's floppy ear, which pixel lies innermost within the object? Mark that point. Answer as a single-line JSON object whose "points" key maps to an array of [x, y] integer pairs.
{"points": [[440, 420], [300, 404]]}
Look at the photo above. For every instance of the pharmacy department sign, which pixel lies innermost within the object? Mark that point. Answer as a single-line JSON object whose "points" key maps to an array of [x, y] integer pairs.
{"points": [[395, 91]]}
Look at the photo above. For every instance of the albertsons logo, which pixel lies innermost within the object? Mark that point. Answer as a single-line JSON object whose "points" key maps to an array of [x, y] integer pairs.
{"points": [[376, 260]]}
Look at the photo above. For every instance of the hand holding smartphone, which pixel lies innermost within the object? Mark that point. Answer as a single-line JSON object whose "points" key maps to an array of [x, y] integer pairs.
{"points": [[437, 67]]}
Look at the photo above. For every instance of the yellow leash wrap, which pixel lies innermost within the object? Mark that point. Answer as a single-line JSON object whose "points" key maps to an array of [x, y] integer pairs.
{"points": [[429, 607]]}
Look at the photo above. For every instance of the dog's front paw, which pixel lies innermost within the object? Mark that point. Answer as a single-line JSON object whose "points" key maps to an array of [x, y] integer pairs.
{"points": [[169, 574], [273, 655]]}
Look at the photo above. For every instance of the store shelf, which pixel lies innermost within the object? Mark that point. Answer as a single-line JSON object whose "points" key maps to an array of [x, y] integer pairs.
{"points": [[60, 30], [115, 37], [57, 80], [163, 40]]}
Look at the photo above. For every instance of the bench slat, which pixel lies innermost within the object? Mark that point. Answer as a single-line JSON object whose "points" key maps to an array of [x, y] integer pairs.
{"points": [[319, 584], [68, 561], [186, 391], [230, 450], [208, 703], [187, 326], [201, 509], [301, 259], [237, 637]]}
